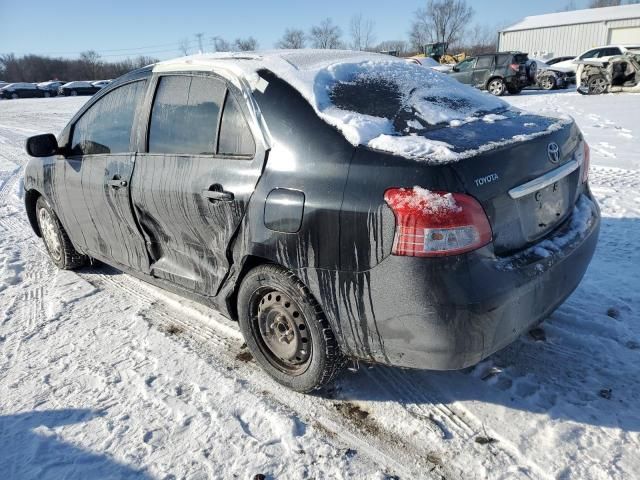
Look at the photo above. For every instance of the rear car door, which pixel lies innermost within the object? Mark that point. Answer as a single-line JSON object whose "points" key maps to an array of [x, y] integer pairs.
{"points": [[193, 184], [97, 176], [484, 67]]}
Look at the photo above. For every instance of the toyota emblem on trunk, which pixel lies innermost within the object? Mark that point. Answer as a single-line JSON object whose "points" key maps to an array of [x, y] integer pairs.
{"points": [[553, 150]]}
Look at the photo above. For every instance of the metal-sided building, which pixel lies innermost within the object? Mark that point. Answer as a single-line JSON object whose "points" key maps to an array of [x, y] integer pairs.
{"points": [[573, 32]]}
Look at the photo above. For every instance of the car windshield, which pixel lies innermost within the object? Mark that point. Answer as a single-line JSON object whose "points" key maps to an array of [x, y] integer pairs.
{"points": [[409, 97]]}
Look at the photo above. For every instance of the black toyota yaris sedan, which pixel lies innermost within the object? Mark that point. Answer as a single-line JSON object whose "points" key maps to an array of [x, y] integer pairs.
{"points": [[338, 205]]}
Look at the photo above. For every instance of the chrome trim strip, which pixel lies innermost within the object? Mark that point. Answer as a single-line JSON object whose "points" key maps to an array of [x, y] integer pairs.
{"points": [[544, 180]]}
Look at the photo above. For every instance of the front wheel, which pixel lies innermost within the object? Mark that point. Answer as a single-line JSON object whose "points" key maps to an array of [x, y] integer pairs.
{"points": [[15, 96], [597, 84], [496, 87], [56, 240], [74, 93], [286, 331]]}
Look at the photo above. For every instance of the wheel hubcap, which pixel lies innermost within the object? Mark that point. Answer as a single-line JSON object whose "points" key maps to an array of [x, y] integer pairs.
{"points": [[49, 234], [284, 333], [495, 87], [598, 85]]}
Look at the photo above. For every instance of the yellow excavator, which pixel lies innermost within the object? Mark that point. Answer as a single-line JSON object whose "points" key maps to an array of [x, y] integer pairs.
{"points": [[438, 51]]}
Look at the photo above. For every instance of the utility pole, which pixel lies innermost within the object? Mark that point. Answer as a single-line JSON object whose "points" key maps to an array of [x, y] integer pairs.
{"points": [[199, 37]]}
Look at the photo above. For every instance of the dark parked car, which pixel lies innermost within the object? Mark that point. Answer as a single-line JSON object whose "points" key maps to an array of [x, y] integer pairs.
{"points": [[22, 90], [51, 87], [497, 73], [327, 202], [72, 89]]}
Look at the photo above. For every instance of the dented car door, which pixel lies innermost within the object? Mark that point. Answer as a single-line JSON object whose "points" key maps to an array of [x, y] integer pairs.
{"points": [[193, 183]]}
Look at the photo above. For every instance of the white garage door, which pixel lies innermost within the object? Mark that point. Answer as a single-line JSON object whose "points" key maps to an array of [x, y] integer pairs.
{"points": [[624, 35]]}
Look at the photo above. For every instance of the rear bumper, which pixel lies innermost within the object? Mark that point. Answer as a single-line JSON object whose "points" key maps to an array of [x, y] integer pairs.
{"points": [[452, 312]]}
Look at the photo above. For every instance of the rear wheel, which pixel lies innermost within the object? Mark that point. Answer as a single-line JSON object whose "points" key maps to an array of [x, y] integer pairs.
{"points": [[496, 87], [74, 93], [15, 96], [286, 331], [597, 84], [56, 240], [47, 94]]}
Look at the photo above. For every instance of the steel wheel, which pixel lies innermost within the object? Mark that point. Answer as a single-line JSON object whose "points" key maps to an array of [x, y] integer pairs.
{"points": [[496, 87], [50, 234], [598, 85], [284, 332]]}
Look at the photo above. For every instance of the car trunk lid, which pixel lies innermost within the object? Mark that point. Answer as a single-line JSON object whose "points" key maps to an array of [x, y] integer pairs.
{"points": [[524, 170]]}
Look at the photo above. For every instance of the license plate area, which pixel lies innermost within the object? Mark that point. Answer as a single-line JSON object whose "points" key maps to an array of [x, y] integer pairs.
{"points": [[542, 210]]}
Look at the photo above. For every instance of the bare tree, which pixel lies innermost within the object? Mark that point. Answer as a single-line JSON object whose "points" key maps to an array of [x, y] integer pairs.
{"points": [[220, 45], [183, 46], [292, 38], [477, 40], [92, 62], [569, 6], [361, 29], [441, 21], [326, 35], [246, 44], [604, 3]]}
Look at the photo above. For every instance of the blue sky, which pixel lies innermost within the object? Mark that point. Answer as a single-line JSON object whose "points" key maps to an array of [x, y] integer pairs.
{"points": [[117, 27]]}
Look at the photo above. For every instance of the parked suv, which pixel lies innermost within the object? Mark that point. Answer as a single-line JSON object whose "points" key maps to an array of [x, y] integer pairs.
{"points": [[336, 204], [496, 72]]}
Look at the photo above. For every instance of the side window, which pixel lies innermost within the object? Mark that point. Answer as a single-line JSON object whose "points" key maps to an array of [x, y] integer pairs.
{"points": [[184, 118], [106, 126], [485, 62], [466, 65], [590, 54], [235, 134], [609, 52], [503, 60]]}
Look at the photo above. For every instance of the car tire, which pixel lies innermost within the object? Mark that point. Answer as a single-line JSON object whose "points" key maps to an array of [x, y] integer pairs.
{"points": [[15, 96], [55, 238], [597, 84], [496, 86], [74, 93], [547, 82], [286, 330], [47, 94]]}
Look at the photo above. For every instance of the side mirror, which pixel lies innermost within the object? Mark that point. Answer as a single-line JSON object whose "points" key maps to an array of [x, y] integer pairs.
{"points": [[42, 145]]}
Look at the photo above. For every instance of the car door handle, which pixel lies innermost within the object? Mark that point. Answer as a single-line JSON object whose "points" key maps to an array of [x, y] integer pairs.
{"points": [[117, 183], [217, 195]]}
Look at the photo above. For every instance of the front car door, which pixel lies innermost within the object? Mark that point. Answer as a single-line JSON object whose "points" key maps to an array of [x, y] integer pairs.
{"points": [[192, 186], [463, 71], [94, 194]]}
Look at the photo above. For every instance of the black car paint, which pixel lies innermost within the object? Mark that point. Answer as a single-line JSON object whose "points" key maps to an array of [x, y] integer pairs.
{"points": [[23, 93], [439, 313], [82, 90]]}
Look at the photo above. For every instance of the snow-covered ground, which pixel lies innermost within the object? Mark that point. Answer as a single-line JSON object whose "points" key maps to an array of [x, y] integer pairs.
{"points": [[103, 376]]}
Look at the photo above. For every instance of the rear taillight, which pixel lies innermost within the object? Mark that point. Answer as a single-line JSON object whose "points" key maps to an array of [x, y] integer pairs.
{"points": [[586, 160], [434, 224], [515, 67]]}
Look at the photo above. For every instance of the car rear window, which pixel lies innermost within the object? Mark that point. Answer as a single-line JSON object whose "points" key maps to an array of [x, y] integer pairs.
{"points": [[184, 118], [409, 97]]}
